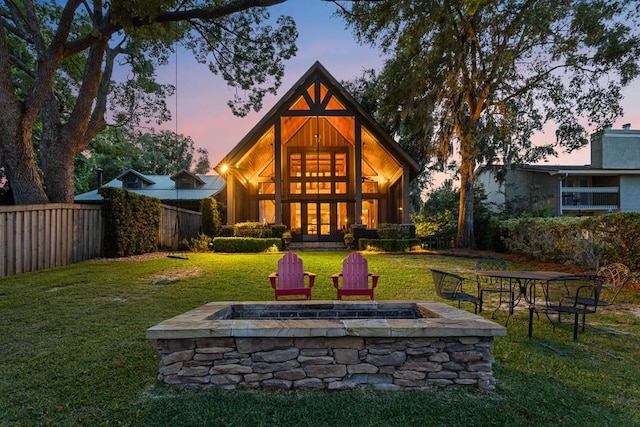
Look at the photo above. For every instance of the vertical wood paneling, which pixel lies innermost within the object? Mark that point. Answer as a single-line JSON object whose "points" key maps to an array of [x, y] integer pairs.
{"points": [[42, 241], [3, 245], [19, 242], [54, 237], [36, 237], [63, 237], [11, 238], [187, 224]]}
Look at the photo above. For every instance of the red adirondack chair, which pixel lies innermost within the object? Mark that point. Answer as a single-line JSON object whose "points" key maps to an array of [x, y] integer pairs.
{"points": [[355, 277], [289, 280]]}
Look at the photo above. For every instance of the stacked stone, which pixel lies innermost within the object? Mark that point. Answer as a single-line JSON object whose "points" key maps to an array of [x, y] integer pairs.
{"points": [[331, 363]]}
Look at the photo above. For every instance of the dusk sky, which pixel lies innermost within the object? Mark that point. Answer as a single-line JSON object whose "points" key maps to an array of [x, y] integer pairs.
{"points": [[203, 115]]}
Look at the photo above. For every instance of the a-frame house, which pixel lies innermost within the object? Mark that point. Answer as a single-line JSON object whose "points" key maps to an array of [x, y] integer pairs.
{"points": [[317, 163]]}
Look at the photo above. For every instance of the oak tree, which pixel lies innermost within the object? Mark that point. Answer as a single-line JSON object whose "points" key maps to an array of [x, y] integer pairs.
{"points": [[57, 61], [481, 76]]}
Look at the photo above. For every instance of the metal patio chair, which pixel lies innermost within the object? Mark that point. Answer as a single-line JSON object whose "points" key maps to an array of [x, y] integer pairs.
{"points": [[449, 286], [493, 285]]}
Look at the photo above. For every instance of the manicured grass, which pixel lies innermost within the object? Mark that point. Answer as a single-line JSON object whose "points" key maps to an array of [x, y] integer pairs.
{"points": [[73, 351]]}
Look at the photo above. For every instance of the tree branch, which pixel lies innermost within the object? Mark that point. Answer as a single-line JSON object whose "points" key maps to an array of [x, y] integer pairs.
{"points": [[108, 28]]}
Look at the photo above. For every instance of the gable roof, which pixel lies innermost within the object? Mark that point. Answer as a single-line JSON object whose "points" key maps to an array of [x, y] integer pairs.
{"points": [[128, 172], [317, 72], [185, 173]]}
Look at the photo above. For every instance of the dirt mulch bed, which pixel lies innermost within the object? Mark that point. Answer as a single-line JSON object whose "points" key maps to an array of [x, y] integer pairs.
{"points": [[515, 258]]}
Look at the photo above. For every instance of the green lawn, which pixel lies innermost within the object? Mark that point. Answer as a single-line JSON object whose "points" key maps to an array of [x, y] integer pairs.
{"points": [[73, 351]]}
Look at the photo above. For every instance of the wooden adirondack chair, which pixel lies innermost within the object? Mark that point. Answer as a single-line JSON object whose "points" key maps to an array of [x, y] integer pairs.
{"points": [[355, 277], [289, 280]]}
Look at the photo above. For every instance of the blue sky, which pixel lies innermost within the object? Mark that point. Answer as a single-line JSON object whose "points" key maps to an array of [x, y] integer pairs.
{"points": [[202, 112]]}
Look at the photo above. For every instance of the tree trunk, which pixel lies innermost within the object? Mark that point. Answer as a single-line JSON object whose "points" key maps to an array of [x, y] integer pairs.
{"points": [[20, 166], [58, 167], [61, 143], [16, 146], [465, 237]]}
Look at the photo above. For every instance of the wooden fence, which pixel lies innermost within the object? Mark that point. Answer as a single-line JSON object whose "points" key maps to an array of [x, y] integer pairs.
{"points": [[177, 224], [37, 237]]}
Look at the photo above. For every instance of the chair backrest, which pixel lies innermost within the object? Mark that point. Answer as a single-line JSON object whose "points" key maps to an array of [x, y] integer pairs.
{"points": [[448, 285], [614, 276], [485, 264], [290, 272], [355, 272]]}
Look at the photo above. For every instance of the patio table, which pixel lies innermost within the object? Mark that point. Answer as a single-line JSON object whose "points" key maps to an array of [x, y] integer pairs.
{"points": [[525, 282]]}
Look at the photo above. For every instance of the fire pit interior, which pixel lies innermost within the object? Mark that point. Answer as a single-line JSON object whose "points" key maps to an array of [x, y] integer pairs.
{"points": [[330, 345], [295, 311]]}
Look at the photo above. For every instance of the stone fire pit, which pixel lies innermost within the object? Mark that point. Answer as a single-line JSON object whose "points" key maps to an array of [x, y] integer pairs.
{"points": [[329, 345]]}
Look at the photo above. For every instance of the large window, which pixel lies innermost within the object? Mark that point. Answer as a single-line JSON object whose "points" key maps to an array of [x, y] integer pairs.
{"points": [[316, 173], [268, 211], [295, 220], [370, 213]]}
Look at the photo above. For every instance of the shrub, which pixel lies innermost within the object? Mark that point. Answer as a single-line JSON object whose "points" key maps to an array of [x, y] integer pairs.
{"points": [[273, 248], [388, 231], [407, 231], [211, 217], [587, 241], [361, 231], [251, 229], [227, 231], [202, 243], [132, 222], [277, 230], [244, 244], [388, 245]]}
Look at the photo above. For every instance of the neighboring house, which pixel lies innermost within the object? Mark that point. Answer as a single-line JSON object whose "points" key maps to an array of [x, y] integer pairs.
{"points": [[317, 163], [610, 184], [183, 189]]}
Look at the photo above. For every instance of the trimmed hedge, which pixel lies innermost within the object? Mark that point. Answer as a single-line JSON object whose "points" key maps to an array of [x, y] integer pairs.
{"points": [[396, 231], [227, 231], [387, 245], [132, 222], [388, 231], [277, 230], [584, 241], [362, 232], [251, 229], [244, 244]]}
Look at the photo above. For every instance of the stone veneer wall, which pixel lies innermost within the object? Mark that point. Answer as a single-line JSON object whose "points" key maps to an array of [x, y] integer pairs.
{"points": [[331, 363]]}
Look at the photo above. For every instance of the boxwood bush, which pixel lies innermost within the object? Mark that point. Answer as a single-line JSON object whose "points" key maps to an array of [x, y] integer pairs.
{"points": [[388, 231], [251, 229], [388, 245], [277, 230], [244, 244], [396, 231]]}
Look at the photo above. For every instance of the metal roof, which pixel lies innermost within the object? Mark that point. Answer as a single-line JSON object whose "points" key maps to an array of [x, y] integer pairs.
{"points": [[163, 188]]}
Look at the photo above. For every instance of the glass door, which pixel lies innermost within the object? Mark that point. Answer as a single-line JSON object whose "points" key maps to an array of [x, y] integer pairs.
{"points": [[317, 185], [318, 219]]}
